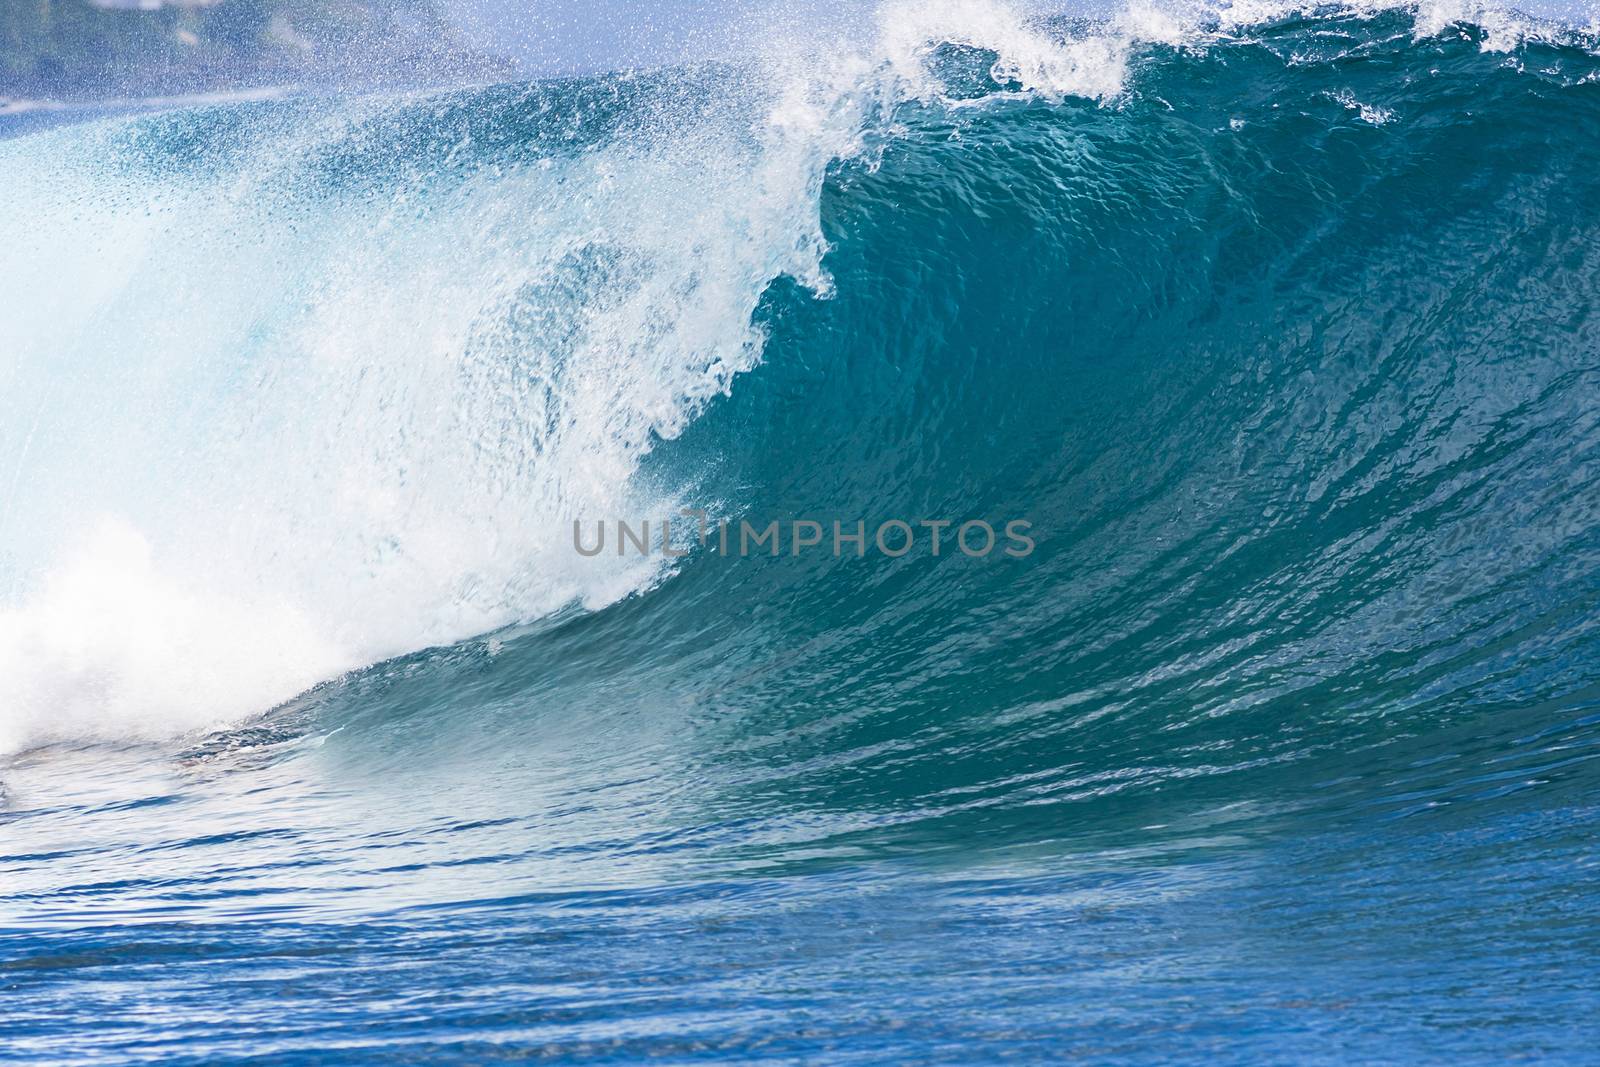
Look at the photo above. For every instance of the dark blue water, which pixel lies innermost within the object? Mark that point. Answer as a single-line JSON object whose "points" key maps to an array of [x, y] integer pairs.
{"points": [[1278, 747]]}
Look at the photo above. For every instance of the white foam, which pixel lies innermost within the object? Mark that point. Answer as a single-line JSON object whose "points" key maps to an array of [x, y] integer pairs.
{"points": [[1371, 114], [1092, 66], [109, 645]]}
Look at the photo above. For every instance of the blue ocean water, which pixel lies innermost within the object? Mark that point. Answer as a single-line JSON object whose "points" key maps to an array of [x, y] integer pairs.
{"points": [[325, 746]]}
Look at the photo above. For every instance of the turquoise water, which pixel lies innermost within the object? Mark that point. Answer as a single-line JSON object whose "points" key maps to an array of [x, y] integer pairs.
{"points": [[326, 746]]}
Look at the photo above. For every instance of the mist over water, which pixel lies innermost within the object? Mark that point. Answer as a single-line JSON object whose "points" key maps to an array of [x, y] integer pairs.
{"points": [[367, 430], [341, 403], [322, 742]]}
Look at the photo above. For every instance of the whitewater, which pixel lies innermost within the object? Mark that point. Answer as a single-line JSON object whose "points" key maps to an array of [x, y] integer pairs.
{"points": [[320, 742]]}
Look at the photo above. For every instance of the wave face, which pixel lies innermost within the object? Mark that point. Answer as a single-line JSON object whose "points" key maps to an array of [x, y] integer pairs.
{"points": [[1280, 331]]}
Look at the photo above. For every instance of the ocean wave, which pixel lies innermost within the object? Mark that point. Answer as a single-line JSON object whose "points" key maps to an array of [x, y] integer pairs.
{"points": [[1275, 323]]}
